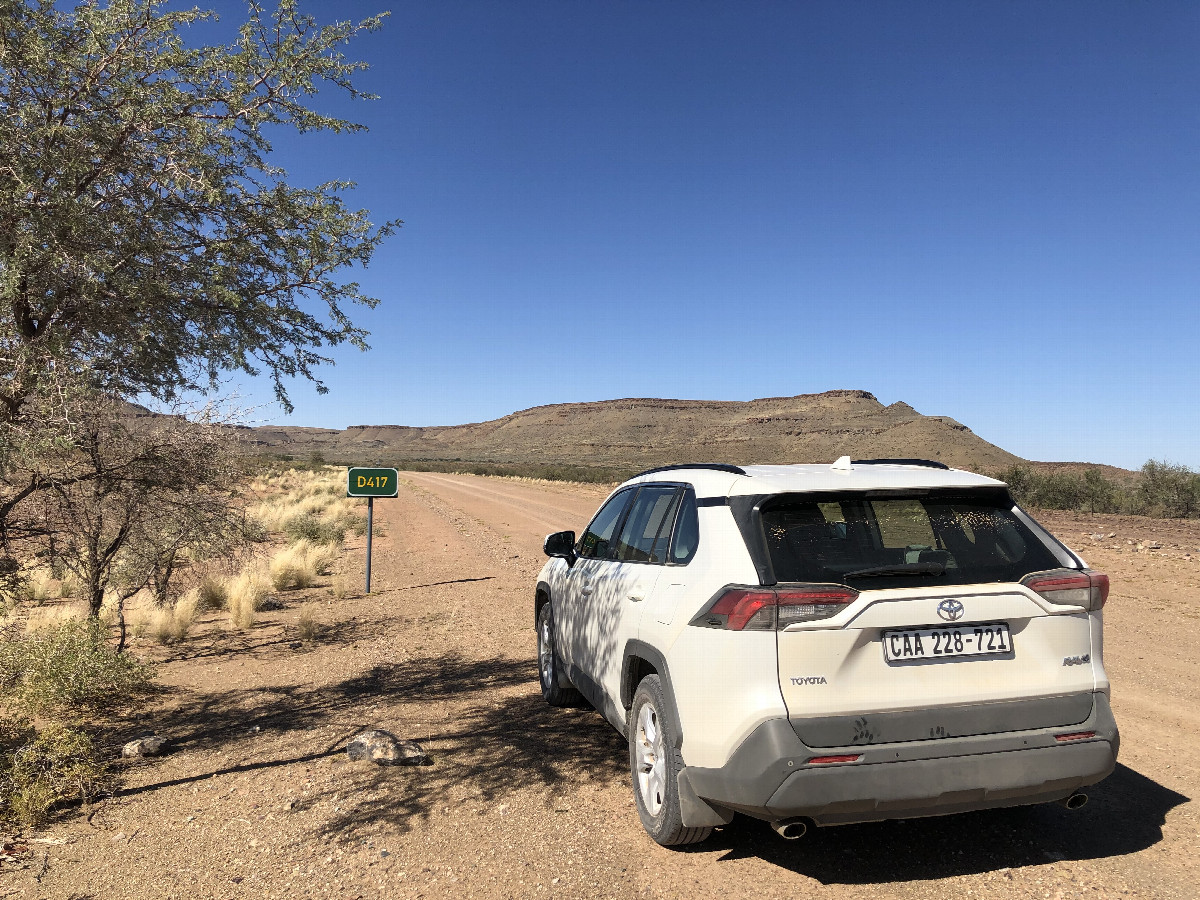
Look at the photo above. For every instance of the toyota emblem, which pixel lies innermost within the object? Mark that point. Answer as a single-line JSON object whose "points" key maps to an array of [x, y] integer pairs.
{"points": [[950, 610]]}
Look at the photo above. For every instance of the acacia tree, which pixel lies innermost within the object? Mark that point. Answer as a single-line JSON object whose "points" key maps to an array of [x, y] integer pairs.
{"points": [[147, 245], [122, 493], [143, 231]]}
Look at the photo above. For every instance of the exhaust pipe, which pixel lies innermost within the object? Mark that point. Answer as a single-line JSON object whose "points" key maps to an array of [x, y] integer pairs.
{"points": [[1075, 801], [790, 829]]}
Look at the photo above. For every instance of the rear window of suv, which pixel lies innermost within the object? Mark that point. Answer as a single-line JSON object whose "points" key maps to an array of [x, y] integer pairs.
{"points": [[870, 542]]}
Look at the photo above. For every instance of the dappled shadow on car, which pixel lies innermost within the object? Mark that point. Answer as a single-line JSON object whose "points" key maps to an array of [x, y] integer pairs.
{"points": [[1125, 815]]}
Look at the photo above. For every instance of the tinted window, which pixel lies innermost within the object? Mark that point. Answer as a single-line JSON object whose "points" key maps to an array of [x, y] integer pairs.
{"points": [[648, 528], [960, 538], [597, 540], [687, 530]]}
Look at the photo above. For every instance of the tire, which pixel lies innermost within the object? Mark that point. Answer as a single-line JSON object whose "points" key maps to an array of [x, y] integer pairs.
{"points": [[654, 764], [550, 672]]}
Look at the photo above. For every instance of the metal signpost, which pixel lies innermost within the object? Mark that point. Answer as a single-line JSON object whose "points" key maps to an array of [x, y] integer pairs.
{"points": [[371, 483]]}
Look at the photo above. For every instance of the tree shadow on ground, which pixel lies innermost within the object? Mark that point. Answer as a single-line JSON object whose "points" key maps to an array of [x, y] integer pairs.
{"points": [[483, 722], [1125, 814], [230, 645]]}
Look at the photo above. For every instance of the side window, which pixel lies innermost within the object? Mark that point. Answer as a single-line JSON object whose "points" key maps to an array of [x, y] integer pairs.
{"points": [[595, 543], [687, 530], [648, 527]]}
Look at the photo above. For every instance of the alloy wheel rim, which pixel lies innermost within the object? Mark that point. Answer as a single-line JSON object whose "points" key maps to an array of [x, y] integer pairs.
{"points": [[650, 756]]}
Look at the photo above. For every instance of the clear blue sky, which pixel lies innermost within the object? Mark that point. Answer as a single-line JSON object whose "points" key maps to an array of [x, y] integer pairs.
{"points": [[988, 210]]}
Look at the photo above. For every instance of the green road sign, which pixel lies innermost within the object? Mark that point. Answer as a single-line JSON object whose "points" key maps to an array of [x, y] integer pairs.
{"points": [[371, 483]]}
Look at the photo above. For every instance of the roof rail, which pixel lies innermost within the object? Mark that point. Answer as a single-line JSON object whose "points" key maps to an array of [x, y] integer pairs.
{"points": [[720, 467], [923, 463]]}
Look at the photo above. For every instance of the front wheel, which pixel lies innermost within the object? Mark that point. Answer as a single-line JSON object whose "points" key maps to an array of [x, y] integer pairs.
{"points": [[549, 665], [655, 764]]}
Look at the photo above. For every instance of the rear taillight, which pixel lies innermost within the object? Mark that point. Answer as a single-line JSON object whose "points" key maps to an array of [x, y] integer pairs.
{"points": [[737, 608], [1070, 587]]}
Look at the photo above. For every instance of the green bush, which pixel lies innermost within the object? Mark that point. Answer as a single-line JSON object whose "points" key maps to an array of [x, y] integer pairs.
{"points": [[316, 529], [67, 671], [38, 769], [1169, 490], [1161, 489]]}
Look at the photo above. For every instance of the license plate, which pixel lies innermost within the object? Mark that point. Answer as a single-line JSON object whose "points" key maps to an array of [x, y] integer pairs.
{"points": [[989, 639]]}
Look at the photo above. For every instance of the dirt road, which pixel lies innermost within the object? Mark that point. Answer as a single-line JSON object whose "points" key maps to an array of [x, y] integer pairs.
{"points": [[257, 798]]}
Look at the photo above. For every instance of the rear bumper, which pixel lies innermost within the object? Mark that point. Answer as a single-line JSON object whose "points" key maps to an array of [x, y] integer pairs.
{"points": [[768, 776]]}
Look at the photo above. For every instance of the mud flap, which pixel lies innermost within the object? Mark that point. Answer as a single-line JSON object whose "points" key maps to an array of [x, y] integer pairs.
{"points": [[697, 813]]}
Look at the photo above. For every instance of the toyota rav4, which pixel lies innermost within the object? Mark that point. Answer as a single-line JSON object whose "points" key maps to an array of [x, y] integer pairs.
{"points": [[828, 644]]}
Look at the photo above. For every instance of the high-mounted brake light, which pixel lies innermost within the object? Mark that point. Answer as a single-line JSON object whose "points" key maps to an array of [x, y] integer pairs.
{"points": [[737, 608], [1070, 587]]}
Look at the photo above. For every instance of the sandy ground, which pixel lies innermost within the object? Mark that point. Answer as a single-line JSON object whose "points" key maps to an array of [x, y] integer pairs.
{"points": [[257, 798]]}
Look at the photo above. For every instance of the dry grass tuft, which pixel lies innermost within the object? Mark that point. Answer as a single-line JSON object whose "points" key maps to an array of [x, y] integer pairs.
{"points": [[299, 565], [40, 586], [171, 624], [246, 593], [307, 626]]}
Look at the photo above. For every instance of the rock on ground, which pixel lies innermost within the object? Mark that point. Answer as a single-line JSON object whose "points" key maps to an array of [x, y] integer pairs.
{"points": [[385, 749]]}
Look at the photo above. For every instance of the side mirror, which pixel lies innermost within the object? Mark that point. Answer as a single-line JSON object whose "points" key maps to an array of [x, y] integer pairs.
{"points": [[561, 544]]}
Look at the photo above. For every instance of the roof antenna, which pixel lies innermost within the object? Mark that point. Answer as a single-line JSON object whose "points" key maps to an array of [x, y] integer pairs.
{"points": [[842, 465]]}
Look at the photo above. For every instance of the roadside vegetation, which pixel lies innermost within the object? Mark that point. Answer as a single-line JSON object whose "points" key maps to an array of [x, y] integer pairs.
{"points": [[62, 674], [140, 263], [1160, 489]]}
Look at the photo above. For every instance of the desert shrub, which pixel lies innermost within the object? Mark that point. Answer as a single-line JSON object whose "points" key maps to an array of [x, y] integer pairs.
{"points": [[1092, 491], [68, 670], [319, 530], [1168, 489], [38, 769], [213, 594], [246, 593]]}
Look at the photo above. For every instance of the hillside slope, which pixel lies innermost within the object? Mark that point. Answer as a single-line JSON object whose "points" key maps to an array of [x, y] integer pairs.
{"points": [[649, 432]]}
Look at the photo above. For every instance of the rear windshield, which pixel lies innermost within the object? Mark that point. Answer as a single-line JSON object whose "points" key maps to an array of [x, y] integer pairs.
{"points": [[900, 541]]}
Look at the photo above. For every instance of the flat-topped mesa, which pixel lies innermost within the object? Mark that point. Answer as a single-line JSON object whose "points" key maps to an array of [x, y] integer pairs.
{"points": [[631, 433]]}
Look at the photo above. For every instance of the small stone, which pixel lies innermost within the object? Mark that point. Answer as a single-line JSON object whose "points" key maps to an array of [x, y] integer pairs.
{"points": [[146, 745], [1154, 545], [118, 837], [385, 749], [295, 645]]}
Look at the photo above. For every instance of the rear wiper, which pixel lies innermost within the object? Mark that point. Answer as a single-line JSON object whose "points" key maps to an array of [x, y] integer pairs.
{"points": [[917, 568]]}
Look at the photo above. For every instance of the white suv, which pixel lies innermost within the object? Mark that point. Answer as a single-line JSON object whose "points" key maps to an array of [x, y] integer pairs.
{"points": [[827, 644]]}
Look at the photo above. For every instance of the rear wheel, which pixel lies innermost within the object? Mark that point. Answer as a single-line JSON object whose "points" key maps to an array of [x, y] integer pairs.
{"points": [[655, 764], [550, 672]]}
